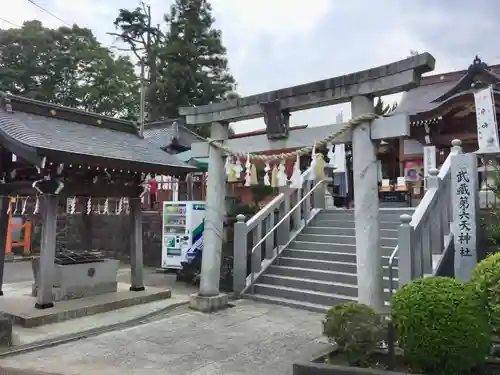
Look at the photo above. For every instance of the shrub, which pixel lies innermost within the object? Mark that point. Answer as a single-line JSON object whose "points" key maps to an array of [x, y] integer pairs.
{"points": [[356, 329], [486, 280], [441, 326]]}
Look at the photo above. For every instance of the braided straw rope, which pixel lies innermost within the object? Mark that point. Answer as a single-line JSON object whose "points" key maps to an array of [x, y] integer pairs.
{"points": [[301, 151]]}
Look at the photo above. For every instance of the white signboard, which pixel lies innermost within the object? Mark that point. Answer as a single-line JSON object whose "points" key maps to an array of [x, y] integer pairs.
{"points": [[429, 161], [465, 205], [487, 127]]}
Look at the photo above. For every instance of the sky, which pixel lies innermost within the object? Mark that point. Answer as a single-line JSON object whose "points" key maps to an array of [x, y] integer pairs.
{"points": [[280, 43]]}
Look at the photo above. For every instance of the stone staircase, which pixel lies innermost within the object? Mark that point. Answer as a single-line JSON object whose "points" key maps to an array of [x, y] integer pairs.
{"points": [[318, 269]]}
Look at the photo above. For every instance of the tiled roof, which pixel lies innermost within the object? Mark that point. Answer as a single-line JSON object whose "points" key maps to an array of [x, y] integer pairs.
{"points": [[164, 132], [50, 133], [437, 89]]}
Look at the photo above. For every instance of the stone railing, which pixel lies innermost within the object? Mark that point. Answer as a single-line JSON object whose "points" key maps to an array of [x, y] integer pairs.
{"points": [[425, 237], [259, 240]]}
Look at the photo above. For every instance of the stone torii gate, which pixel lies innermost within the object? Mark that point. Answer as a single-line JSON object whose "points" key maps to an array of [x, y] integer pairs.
{"points": [[275, 106]]}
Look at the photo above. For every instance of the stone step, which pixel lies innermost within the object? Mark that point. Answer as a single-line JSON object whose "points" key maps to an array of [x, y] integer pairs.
{"points": [[308, 296], [287, 302], [350, 240], [339, 231], [347, 267], [319, 221], [385, 215], [322, 275], [348, 257], [350, 290], [334, 247]]}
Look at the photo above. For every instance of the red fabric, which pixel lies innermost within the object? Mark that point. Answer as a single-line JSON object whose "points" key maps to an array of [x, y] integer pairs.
{"points": [[153, 186]]}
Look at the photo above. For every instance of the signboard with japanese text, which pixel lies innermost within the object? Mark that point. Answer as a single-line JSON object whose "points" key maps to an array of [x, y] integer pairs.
{"points": [[487, 127], [465, 205], [429, 161]]}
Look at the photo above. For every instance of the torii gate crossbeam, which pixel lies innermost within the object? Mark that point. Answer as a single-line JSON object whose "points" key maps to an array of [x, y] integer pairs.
{"points": [[360, 88]]}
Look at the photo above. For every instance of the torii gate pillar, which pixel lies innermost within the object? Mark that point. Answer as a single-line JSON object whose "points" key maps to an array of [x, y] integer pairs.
{"points": [[366, 208], [360, 88], [208, 298]]}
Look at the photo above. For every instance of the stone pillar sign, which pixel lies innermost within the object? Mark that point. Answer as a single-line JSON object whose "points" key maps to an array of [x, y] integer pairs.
{"points": [[465, 208], [429, 162]]}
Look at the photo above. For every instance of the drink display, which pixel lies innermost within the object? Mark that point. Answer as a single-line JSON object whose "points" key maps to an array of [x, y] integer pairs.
{"points": [[183, 225]]}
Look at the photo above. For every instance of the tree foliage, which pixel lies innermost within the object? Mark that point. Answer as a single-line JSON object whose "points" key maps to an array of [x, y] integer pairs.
{"points": [[383, 109], [187, 62], [67, 66]]}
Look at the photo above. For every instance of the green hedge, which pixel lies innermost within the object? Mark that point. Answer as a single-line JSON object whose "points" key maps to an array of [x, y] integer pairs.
{"points": [[441, 326], [486, 280]]}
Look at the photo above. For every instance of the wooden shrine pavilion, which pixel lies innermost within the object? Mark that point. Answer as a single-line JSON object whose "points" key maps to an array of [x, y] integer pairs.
{"points": [[62, 152], [441, 109]]}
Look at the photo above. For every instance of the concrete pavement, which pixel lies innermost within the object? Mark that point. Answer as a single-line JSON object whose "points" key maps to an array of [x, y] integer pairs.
{"points": [[250, 338]]}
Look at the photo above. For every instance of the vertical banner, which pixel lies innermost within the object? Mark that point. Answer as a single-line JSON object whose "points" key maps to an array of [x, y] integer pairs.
{"points": [[487, 127], [429, 161], [465, 207]]}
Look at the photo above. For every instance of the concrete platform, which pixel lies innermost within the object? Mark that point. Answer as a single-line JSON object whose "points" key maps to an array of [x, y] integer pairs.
{"points": [[18, 304]]}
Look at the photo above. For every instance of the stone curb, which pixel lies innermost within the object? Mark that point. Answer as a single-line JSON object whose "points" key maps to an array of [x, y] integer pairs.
{"points": [[16, 259], [67, 338]]}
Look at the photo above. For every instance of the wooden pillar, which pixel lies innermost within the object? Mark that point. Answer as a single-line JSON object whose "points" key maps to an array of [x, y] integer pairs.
{"points": [[136, 262], [47, 251], [4, 224]]}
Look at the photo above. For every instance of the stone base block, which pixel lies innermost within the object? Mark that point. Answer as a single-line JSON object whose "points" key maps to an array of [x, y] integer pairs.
{"points": [[75, 292], [5, 331], [208, 304]]}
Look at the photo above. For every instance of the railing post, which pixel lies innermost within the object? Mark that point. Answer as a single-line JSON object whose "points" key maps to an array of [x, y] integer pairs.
{"points": [[456, 146], [319, 195], [297, 214], [307, 202], [437, 230], [269, 242], [283, 231], [240, 255], [405, 254], [256, 255]]}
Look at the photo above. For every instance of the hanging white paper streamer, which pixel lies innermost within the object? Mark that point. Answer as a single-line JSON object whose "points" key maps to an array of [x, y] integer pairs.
{"points": [[248, 177], [331, 154], [89, 206], [282, 177], [97, 207], [37, 206], [311, 176], [16, 206], [227, 165], [126, 203], [339, 160], [296, 178], [119, 208], [267, 178], [72, 206], [25, 203], [105, 211], [237, 168]]}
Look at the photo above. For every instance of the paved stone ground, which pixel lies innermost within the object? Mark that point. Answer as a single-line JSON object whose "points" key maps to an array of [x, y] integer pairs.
{"points": [[250, 339], [9, 371]]}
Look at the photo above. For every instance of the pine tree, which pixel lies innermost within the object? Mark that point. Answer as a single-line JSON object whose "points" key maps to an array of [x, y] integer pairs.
{"points": [[194, 67]]}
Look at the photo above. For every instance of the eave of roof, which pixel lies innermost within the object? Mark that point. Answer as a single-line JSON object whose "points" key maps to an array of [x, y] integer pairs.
{"points": [[32, 135], [439, 90]]}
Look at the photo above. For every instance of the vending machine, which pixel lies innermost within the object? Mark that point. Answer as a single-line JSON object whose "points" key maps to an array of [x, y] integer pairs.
{"points": [[183, 226]]}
